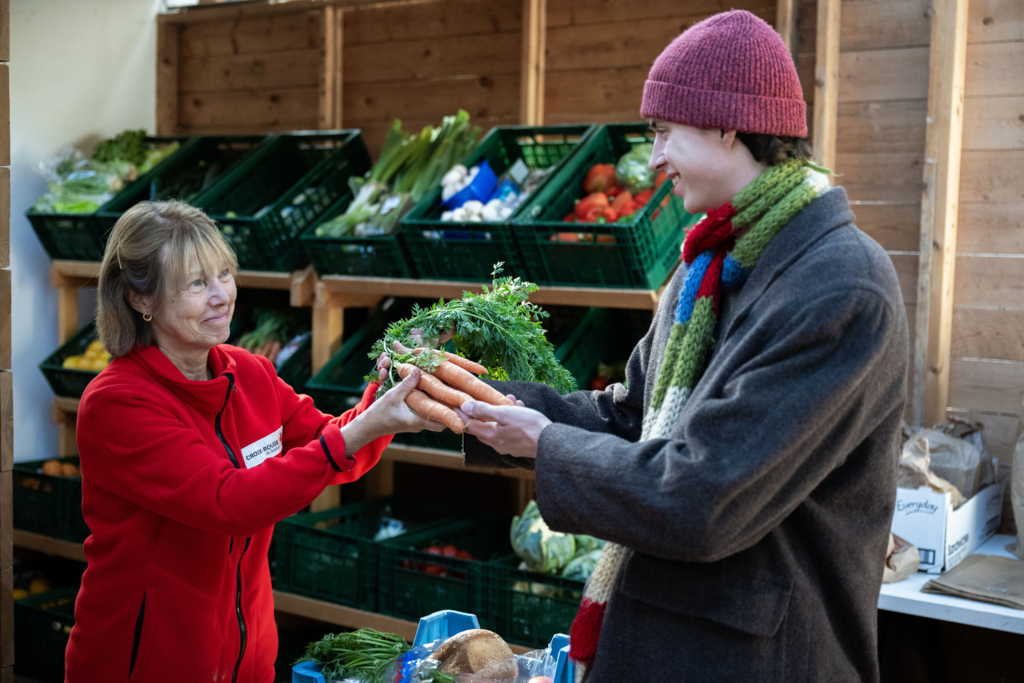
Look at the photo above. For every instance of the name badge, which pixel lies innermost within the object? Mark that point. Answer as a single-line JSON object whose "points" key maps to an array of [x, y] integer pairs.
{"points": [[255, 453]]}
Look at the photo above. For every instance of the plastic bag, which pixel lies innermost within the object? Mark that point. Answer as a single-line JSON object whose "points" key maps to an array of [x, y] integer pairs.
{"points": [[633, 172], [1017, 490], [77, 184], [390, 527]]}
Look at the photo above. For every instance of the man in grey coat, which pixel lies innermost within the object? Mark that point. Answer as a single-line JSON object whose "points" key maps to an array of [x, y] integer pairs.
{"points": [[749, 509]]}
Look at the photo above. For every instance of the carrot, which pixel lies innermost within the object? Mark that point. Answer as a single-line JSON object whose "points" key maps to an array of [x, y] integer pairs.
{"points": [[435, 387], [454, 376], [429, 409], [464, 363]]}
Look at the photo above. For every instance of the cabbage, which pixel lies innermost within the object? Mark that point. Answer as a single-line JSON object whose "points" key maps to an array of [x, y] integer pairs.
{"points": [[632, 172], [582, 567], [542, 549]]}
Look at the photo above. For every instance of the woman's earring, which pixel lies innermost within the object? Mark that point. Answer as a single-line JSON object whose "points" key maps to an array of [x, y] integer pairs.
{"points": [[147, 317]]}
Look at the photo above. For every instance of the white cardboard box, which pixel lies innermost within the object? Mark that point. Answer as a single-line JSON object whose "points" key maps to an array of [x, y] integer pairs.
{"points": [[945, 536]]}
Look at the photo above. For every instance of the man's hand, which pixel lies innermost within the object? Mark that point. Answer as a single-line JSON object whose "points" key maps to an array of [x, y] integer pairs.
{"points": [[510, 430]]}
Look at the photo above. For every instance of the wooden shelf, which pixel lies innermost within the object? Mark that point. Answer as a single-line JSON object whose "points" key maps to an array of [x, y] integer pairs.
{"points": [[447, 459], [311, 608], [49, 545], [66, 404], [339, 290]]}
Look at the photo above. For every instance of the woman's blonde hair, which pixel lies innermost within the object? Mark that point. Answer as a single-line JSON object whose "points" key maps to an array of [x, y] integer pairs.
{"points": [[135, 261]]}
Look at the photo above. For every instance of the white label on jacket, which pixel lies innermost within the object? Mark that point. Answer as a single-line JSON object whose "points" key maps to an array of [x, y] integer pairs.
{"points": [[267, 447]]}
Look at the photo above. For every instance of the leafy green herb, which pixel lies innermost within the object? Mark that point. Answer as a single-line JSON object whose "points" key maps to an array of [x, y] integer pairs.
{"points": [[362, 654], [125, 146], [499, 328]]}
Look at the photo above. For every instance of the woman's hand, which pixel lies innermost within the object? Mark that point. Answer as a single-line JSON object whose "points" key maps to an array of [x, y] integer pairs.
{"points": [[384, 363], [388, 415], [510, 430]]}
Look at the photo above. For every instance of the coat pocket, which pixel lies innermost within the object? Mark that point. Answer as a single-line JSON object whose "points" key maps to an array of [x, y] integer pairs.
{"points": [[750, 600], [142, 642]]}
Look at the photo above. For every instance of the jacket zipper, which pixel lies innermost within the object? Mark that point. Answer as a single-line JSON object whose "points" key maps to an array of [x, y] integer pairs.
{"points": [[238, 567], [138, 635], [238, 613]]}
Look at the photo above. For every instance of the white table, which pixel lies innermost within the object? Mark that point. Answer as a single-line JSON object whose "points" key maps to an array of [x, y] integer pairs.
{"points": [[906, 597]]}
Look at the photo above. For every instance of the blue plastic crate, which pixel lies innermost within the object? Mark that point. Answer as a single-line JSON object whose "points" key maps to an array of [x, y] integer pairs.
{"points": [[446, 624]]}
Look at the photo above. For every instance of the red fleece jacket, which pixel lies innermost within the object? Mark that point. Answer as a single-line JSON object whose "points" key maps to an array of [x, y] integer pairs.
{"points": [[182, 483]]}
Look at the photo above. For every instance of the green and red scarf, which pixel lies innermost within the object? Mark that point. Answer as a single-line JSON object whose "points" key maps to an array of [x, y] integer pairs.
{"points": [[716, 261]]}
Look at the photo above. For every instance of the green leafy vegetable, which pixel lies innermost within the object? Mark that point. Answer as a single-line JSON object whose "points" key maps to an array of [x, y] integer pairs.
{"points": [[127, 146], [362, 654], [499, 328], [553, 552], [633, 171]]}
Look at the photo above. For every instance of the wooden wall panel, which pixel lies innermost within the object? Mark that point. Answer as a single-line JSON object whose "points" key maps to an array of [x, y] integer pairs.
{"points": [[283, 32], [991, 229], [871, 24], [986, 333], [249, 111], [882, 127], [994, 122], [467, 55], [995, 177], [5, 217], [995, 69], [884, 75], [890, 177], [896, 227], [588, 12], [219, 73], [993, 21]]}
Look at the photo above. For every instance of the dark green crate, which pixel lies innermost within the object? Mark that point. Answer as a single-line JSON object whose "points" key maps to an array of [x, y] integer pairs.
{"points": [[46, 504], [70, 381], [407, 591], [371, 255], [331, 555], [198, 165], [83, 236], [43, 625], [449, 250], [641, 253], [297, 370], [531, 607], [268, 200]]}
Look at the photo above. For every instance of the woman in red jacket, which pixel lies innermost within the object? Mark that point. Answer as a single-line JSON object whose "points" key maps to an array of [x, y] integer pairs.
{"points": [[191, 451]]}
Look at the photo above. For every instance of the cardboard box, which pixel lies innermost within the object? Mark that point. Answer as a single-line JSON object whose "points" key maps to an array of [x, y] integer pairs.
{"points": [[945, 536]]}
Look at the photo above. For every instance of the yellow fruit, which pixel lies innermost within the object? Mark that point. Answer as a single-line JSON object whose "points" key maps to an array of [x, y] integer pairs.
{"points": [[52, 468], [73, 362], [39, 585], [96, 346], [94, 364], [69, 469], [20, 593]]}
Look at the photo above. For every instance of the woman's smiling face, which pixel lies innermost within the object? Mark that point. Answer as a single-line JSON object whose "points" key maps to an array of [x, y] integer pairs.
{"points": [[196, 315]]}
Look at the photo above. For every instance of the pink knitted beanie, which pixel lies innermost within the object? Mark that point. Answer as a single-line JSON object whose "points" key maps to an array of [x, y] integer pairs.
{"points": [[730, 71]]}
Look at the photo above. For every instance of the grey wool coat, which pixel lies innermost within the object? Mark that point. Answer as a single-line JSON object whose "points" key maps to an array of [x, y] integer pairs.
{"points": [[759, 530]]}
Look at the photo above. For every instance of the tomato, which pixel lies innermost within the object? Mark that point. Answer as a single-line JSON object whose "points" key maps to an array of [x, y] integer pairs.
{"points": [[598, 384], [433, 550], [593, 213], [465, 555], [434, 570], [624, 199], [406, 564], [599, 178], [571, 218], [449, 551], [642, 197], [613, 191], [596, 199]]}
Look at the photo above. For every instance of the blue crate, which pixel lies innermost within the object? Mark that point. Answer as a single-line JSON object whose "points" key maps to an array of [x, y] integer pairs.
{"points": [[446, 624]]}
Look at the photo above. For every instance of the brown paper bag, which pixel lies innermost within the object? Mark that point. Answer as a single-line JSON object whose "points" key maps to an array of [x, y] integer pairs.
{"points": [[902, 560], [953, 459], [915, 471], [985, 578], [1017, 490]]}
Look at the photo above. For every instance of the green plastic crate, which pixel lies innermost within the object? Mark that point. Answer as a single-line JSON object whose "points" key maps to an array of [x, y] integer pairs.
{"points": [[468, 251], [407, 591], [198, 165], [372, 255], [46, 504], [331, 555], [268, 200], [531, 607], [297, 370], [639, 254], [70, 381], [43, 625], [83, 236]]}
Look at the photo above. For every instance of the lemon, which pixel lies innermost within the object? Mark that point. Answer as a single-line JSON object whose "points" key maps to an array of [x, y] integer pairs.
{"points": [[73, 362], [20, 593], [39, 585]]}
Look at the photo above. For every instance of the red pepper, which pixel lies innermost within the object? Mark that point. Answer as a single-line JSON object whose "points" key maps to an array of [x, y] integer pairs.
{"points": [[659, 180], [623, 200], [571, 218], [642, 197], [597, 199], [610, 215], [599, 178], [598, 384], [613, 191], [592, 214]]}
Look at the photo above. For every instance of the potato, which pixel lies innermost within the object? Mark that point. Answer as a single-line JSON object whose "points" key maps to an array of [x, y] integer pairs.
{"points": [[475, 650], [52, 468], [69, 469]]}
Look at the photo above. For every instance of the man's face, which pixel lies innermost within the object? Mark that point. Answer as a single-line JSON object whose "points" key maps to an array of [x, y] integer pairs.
{"points": [[697, 161]]}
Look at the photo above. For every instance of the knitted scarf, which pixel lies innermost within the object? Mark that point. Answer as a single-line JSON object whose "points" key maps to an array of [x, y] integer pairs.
{"points": [[717, 261]]}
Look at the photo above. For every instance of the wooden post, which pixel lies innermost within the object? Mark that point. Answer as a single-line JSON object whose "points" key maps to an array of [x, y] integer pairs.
{"points": [[6, 378], [332, 19], [826, 83], [786, 14], [939, 206], [167, 35], [531, 103], [328, 327]]}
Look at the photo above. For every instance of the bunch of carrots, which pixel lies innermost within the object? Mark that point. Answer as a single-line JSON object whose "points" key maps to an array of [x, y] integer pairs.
{"points": [[446, 382]]}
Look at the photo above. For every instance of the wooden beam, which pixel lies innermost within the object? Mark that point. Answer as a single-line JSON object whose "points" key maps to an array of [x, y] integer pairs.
{"points": [[330, 80], [328, 327], [67, 313], [531, 102], [48, 545], [6, 421], [434, 457], [939, 206], [786, 14], [167, 39], [826, 83], [303, 287], [5, 318], [329, 498]]}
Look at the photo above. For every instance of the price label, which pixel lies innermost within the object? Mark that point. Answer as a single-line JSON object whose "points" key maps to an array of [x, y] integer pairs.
{"points": [[519, 171], [390, 204]]}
